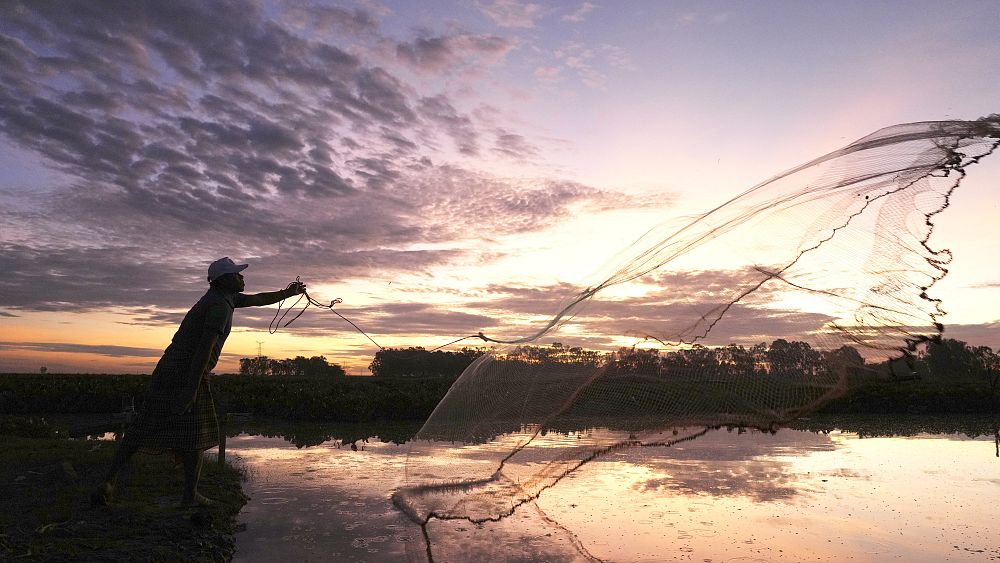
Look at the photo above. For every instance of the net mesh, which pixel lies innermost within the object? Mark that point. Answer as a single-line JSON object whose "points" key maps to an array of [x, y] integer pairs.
{"points": [[765, 307]]}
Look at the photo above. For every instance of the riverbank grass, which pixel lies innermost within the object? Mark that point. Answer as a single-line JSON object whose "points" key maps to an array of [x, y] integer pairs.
{"points": [[46, 483]]}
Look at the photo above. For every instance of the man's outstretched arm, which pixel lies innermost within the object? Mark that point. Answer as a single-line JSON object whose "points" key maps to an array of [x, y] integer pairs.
{"points": [[269, 297]]}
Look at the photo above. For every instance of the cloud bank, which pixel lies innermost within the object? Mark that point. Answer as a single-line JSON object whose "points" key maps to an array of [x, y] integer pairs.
{"points": [[289, 135]]}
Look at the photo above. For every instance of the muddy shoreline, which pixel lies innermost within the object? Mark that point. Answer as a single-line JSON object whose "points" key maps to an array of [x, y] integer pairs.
{"points": [[45, 481]]}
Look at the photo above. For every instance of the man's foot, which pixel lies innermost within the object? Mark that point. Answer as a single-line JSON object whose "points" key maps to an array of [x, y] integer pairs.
{"points": [[196, 501], [102, 495]]}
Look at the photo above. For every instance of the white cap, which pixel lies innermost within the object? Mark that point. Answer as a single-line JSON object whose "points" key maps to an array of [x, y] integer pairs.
{"points": [[224, 266]]}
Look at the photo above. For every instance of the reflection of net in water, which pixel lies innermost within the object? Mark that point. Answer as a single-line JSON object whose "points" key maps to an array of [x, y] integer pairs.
{"points": [[828, 263]]}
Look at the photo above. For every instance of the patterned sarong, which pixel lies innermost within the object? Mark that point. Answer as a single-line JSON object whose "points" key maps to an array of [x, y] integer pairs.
{"points": [[198, 429], [156, 427]]}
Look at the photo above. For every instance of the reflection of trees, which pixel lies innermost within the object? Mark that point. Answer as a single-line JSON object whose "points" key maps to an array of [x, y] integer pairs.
{"points": [[878, 425], [306, 434]]}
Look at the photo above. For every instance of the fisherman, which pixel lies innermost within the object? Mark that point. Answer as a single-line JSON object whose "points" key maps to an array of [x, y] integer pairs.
{"points": [[179, 413]]}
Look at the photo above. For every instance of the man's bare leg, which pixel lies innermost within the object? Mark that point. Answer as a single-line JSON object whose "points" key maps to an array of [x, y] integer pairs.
{"points": [[106, 490], [192, 474]]}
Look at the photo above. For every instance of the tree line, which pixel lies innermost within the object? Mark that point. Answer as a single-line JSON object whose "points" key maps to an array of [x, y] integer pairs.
{"points": [[943, 359], [316, 366], [780, 357], [955, 359], [418, 362]]}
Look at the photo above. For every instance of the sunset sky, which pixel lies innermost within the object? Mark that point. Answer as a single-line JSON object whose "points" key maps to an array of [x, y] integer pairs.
{"points": [[443, 167]]}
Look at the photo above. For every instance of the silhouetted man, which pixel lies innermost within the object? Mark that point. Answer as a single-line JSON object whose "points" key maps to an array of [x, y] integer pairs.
{"points": [[179, 413]]}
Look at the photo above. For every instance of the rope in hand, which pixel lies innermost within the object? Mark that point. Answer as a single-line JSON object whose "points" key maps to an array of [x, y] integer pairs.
{"points": [[276, 322]]}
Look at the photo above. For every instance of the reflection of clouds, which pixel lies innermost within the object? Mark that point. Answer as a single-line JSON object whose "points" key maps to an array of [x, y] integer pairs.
{"points": [[716, 447], [848, 474], [762, 480], [547, 446], [755, 465], [328, 503], [321, 503], [731, 464]]}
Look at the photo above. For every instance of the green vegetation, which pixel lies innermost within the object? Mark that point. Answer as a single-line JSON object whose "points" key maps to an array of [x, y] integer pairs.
{"points": [[344, 399], [46, 480], [946, 377], [68, 393], [918, 396]]}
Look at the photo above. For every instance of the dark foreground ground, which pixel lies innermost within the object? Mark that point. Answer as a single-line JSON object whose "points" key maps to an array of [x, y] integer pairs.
{"points": [[45, 483]]}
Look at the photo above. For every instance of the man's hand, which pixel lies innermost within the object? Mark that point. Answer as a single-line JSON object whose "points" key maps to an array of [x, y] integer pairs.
{"points": [[296, 287]]}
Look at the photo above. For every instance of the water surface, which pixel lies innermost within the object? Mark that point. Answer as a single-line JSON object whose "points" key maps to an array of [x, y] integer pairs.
{"points": [[792, 496]]}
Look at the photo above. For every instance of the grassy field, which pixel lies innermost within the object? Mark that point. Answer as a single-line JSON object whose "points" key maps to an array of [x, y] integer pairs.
{"points": [[342, 399], [368, 399], [46, 479]]}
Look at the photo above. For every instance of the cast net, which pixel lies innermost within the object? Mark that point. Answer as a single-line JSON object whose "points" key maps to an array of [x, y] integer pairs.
{"points": [[765, 307]]}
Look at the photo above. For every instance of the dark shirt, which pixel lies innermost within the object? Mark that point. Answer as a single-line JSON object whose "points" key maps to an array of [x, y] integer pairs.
{"points": [[213, 312]]}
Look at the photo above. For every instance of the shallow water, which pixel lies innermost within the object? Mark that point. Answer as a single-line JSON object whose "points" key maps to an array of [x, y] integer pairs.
{"points": [[321, 503], [792, 496]]}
